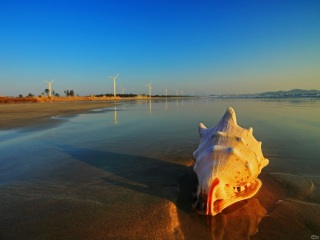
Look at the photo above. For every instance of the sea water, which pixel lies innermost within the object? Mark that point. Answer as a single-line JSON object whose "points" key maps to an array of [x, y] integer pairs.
{"points": [[126, 172]]}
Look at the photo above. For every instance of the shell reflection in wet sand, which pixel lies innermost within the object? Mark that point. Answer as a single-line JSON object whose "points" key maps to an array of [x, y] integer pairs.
{"points": [[239, 221]]}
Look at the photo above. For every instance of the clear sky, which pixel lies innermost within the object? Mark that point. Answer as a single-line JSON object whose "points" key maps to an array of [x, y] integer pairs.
{"points": [[213, 47]]}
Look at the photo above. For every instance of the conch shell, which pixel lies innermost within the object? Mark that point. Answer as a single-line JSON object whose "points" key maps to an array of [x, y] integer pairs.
{"points": [[228, 162]]}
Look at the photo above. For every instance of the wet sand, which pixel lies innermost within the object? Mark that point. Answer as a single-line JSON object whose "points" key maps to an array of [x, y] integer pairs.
{"points": [[84, 197], [19, 115]]}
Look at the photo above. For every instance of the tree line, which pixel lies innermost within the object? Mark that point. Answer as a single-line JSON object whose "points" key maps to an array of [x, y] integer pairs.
{"points": [[68, 93]]}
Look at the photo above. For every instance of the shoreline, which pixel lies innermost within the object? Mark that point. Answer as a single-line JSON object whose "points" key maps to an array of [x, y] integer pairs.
{"points": [[37, 112], [26, 115], [14, 100]]}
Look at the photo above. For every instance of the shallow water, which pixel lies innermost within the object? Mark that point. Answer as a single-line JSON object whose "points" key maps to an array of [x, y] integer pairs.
{"points": [[126, 172]]}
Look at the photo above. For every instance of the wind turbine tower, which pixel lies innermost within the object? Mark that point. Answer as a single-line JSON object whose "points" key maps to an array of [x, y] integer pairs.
{"points": [[122, 90], [49, 87], [150, 88], [166, 92], [114, 84]]}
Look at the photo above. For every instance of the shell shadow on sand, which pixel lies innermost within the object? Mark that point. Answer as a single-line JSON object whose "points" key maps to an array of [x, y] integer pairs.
{"points": [[143, 174]]}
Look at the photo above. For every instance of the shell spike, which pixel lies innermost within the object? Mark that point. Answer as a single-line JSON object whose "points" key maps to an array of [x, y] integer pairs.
{"points": [[229, 116], [202, 129]]}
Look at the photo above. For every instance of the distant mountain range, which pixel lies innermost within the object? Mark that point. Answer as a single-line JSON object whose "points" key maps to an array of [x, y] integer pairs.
{"points": [[294, 93]]}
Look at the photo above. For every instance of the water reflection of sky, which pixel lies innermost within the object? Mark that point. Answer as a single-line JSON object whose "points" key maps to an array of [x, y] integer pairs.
{"points": [[289, 128]]}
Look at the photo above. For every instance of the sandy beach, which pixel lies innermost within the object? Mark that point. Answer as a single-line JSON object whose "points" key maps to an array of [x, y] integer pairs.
{"points": [[38, 111], [17, 115]]}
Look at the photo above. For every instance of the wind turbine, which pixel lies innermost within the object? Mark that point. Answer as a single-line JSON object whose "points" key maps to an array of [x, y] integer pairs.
{"points": [[166, 92], [49, 87], [114, 84], [150, 88], [122, 90]]}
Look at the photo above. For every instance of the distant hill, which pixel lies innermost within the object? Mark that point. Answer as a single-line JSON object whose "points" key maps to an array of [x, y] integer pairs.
{"points": [[292, 92]]}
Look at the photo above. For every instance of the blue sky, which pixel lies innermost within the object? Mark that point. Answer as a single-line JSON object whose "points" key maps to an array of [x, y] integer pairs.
{"points": [[202, 46]]}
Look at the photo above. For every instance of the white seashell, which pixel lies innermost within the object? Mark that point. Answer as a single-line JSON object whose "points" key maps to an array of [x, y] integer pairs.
{"points": [[228, 162]]}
